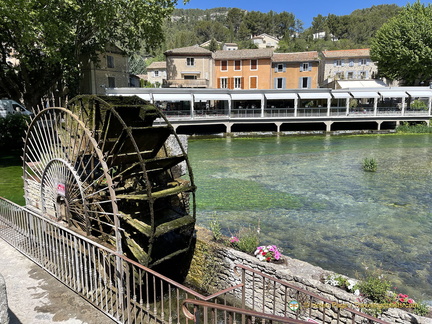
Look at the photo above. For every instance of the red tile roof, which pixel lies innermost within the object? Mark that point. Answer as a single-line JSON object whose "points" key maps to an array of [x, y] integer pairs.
{"points": [[296, 57], [244, 54], [347, 53]]}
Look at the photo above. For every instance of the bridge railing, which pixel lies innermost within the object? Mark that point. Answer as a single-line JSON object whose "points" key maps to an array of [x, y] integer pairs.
{"points": [[121, 288]]}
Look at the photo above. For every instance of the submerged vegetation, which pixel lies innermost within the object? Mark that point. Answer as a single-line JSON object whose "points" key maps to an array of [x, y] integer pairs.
{"points": [[421, 128], [370, 164]]}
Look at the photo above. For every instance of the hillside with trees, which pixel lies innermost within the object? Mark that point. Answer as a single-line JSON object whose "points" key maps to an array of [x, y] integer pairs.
{"points": [[188, 27]]}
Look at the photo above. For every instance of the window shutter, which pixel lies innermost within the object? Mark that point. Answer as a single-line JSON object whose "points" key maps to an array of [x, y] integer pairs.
{"points": [[309, 81], [335, 63], [310, 66], [283, 83], [219, 83], [284, 67], [242, 85], [359, 63], [230, 83], [367, 62], [300, 82], [275, 67], [342, 62], [301, 67], [275, 83]]}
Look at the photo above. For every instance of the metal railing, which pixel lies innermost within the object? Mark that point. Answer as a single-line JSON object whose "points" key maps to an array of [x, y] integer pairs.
{"points": [[205, 312], [131, 293], [287, 300], [121, 288]]}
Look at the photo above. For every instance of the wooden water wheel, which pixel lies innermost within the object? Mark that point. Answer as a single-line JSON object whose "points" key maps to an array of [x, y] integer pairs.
{"points": [[102, 168]]}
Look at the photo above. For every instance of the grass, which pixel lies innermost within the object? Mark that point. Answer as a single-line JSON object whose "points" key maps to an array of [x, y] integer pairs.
{"points": [[11, 183]]}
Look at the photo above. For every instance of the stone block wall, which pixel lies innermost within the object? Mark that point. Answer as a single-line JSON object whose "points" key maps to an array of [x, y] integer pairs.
{"points": [[213, 270]]}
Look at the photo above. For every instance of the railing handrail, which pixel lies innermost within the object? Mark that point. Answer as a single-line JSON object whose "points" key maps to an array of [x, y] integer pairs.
{"points": [[126, 259], [306, 292], [240, 311]]}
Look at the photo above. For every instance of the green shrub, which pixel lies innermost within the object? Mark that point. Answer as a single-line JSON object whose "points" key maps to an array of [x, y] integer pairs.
{"points": [[419, 105], [248, 239], [420, 128], [215, 228], [375, 288], [370, 164], [12, 131]]}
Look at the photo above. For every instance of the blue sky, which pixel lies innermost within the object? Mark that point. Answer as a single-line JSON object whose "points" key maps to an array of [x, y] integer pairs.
{"points": [[304, 10]]}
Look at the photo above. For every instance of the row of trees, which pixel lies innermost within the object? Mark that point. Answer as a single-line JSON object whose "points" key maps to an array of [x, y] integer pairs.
{"points": [[54, 38]]}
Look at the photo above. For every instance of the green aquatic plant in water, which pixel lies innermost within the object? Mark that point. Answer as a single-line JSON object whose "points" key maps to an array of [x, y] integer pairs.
{"points": [[370, 164]]}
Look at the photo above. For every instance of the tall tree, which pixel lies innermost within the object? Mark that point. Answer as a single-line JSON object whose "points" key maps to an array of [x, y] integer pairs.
{"points": [[402, 47], [50, 38]]}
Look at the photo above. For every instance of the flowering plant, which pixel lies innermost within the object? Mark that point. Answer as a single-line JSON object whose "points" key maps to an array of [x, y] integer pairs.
{"points": [[404, 300], [234, 239], [268, 253]]}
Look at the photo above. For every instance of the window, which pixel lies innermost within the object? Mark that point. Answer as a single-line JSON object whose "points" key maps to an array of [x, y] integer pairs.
{"points": [[338, 62], [363, 62], [280, 68], [363, 74], [351, 62], [223, 83], [305, 83], [339, 76], [237, 65], [156, 73], [305, 67], [279, 83], [350, 75], [253, 65], [190, 61], [111, 82], [110, 61], [237, 83], [224, 65], [253, 82], [190, 77]]}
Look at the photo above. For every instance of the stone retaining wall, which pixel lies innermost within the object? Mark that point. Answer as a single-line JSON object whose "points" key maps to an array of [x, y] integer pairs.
{"points": [[4, 315], [213, 264]]}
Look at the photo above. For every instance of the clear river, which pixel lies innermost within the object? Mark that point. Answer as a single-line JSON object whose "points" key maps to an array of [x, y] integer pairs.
{"points": [[311, 196]]}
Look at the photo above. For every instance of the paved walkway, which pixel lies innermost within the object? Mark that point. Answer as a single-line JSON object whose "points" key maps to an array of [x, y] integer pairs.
{"points": [[35, 297]]}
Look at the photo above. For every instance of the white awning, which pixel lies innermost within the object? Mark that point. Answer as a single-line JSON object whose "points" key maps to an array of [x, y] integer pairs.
{"points": [[145, 96], [314, 95], [285, 95], [211, 96], [246, 96], [420, 94], [393, 94], [341, 95], [172, 97], [364, 94]]}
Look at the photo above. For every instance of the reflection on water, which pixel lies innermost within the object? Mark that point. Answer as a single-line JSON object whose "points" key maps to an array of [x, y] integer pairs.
{"points": [[312, 197]]}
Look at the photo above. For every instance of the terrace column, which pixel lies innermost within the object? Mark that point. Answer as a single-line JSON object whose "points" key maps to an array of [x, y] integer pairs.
{"points": [[192, 113], [295, 107], [229, 107], [403, 107], [328, 106], [375, 105], [347, 102], [429, 105], [263, 102]]}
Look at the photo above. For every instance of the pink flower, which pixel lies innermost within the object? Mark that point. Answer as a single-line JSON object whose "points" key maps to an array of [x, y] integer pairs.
{"points": [[234, 239], [402, 296], [411, 301]]}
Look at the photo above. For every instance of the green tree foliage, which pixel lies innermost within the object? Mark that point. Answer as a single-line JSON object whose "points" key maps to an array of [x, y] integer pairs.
{"points": [[12, 131], [51, 37], [403, 45], [208, 29]]}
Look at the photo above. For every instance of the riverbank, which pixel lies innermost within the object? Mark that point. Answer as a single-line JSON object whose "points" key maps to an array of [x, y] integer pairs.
{"points": [[213, 269]]}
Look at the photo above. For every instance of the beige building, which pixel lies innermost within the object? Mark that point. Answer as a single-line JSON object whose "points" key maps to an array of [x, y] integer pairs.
{"points": [[157, 73], [352, 64], [295, 70], [189, 67], [110, 72], [266, 41]]}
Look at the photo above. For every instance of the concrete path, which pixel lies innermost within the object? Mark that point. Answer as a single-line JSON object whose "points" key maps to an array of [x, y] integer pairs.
{"points": [[35, 297]]}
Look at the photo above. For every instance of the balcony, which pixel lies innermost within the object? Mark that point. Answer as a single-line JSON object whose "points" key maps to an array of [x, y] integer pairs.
{"points": [[187, 83]]}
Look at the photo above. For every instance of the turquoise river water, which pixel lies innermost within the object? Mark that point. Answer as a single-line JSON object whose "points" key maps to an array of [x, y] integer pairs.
{"points": [[310, 196]]}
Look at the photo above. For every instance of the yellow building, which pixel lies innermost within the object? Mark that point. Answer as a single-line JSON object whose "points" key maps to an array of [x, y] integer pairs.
{"points": [[295, 70]]}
